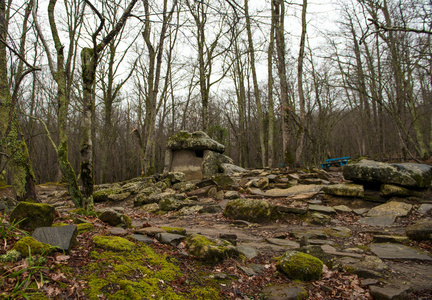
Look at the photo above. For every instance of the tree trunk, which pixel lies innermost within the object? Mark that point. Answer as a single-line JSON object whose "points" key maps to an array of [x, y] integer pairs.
{"points": [[302, 123], [19, 165]]}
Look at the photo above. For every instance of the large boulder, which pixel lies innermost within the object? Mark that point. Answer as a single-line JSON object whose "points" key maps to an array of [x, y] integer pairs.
{"points": [[198, 140], [300, 266], [403, 174], [33, 215], [252, 210]]}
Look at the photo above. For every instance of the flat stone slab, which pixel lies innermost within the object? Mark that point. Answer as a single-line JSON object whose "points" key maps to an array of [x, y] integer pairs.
{"points": [[322, 209], [424, 208], [393, 208], [397, 251], [389, 292], [142, 238], [170, 238], [284, 243], [284, 292], [60, 237], [248, 251], [292, 191], [150, 231], [117, 231], [377, 221]]}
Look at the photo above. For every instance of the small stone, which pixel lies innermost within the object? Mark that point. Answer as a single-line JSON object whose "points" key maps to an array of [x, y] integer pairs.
{"points": [[285, 292], [232, 238], [424, 208], [248, 271], [300, 266], [231, 195], [282, 242], [392, 208]]}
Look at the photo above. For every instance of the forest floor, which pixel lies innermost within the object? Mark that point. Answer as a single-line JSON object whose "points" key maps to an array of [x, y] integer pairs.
{"points": [[63, 276]]}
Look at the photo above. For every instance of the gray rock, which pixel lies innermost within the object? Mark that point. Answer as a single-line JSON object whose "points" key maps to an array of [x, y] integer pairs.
{"points": [[250, 210], [210, 209], [248, 251], [295, 190], [198, 140], [291, 210], [389, 292], [117, 231], [377, 221], [231, 195], [424, 208], [223, 181], [111, 217], [103, 194], [420, 231], [248, 271], [150, 231], [170, 238], [342, 209], [345, 190], [392, 208], [285, 292], [119, 197], [391, 190], [320, 219], [142, 238], [60, 237], [405, 174], [285, 243], [398, 251], [322, 209], [254, 191], [231, 169]]}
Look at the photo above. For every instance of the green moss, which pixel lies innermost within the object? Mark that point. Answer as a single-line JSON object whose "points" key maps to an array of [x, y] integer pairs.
{"points": [[114, 243], [175, 230], [301, 266], [127, 221], [36, 247], [59, 224], [84, 227], [139, 274], [12, 255]]}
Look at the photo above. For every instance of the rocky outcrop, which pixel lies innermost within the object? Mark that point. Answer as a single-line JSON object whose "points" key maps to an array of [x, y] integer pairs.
{"points": [[403, 174]]}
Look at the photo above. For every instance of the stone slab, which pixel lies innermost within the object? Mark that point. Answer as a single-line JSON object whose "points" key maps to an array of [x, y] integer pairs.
{"points": [[60, 237], [377, 221], [397, 251], [292, 191]]}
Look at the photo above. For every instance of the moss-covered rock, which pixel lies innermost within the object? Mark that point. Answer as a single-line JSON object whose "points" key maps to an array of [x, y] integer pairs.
{"points": [[198, 140], [210, 251], [252, 210], [104, 194], [33, 215], [84, 227], [59, 224], [113, 243], [300, 266], [420, 231], [345, 190], [36, 247], [391, 190]]}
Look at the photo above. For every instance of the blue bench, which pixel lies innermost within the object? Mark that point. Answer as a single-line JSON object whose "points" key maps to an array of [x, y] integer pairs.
{"points": [[337, 162]]}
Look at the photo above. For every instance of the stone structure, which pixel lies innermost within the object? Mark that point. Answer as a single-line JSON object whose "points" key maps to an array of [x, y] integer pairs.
{"points": [[195, 154]]}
